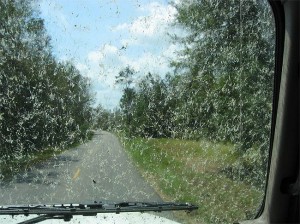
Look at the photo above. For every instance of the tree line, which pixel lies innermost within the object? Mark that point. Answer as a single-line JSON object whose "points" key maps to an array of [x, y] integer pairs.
{"points": [[43, 102], [221, 87]]}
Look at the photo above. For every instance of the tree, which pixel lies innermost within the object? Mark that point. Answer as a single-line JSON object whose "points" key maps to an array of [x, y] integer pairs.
{"points": [[125, 79], [227, 67], [43, 103], [228, 75], [104, 119], [151, 112]]}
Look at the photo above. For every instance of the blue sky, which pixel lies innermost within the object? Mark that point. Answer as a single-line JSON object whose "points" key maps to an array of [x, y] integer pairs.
{"points": [[103, 36]]}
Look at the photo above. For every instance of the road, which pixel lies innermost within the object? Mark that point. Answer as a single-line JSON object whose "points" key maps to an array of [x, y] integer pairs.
{"points": [[97, 170]]}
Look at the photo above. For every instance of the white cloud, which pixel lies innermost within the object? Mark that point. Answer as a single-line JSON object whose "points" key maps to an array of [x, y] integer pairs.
{"points": [[87, 70], [152, 53], [102, 79], [147, 49], [98, 55], [81, 67], [95, 56], [155, 23], [119, 27]]}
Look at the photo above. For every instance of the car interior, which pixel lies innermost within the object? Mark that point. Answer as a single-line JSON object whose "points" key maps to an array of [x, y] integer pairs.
{"points": [[281, 203]]}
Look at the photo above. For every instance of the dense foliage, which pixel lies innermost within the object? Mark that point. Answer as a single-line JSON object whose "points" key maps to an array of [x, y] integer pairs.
{"points": [[227, 62], [221, 89], [43, 102]]}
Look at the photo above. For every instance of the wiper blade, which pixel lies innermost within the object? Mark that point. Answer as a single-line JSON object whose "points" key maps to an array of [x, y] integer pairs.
{"points": [[66, 211], [94, 208]]}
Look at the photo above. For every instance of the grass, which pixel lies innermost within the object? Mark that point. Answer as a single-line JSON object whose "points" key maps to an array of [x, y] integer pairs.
{"points": [[191, 171], [10, 168]]}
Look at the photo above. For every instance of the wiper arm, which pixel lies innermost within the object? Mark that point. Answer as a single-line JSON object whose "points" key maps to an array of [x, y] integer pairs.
{"points": [[67, 211]]}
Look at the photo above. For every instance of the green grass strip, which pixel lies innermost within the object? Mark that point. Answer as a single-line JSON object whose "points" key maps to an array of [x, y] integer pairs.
{"points": [[190, 171]]}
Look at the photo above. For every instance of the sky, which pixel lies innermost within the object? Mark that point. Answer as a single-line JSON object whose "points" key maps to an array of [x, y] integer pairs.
{"points": [[101, 37]]}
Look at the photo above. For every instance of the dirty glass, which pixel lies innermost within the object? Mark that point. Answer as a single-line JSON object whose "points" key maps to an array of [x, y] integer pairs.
{"points": [[137, 100]]}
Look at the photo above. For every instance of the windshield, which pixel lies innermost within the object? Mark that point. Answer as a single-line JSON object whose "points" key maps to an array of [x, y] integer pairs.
{"points": [[137, 100]]}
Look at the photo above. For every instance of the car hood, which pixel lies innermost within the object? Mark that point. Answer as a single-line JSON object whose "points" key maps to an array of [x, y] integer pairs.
{"points": [[124, 218]]}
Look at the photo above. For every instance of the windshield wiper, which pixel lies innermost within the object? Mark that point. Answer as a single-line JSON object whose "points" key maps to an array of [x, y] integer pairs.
{"points": [[67, 211]]}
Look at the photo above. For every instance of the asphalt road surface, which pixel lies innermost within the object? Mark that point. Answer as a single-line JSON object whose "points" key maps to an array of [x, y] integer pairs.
{"points": [[95, 171]]}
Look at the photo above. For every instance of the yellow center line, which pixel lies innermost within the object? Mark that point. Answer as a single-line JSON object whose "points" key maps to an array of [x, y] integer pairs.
{"points": [[77, 173]]}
